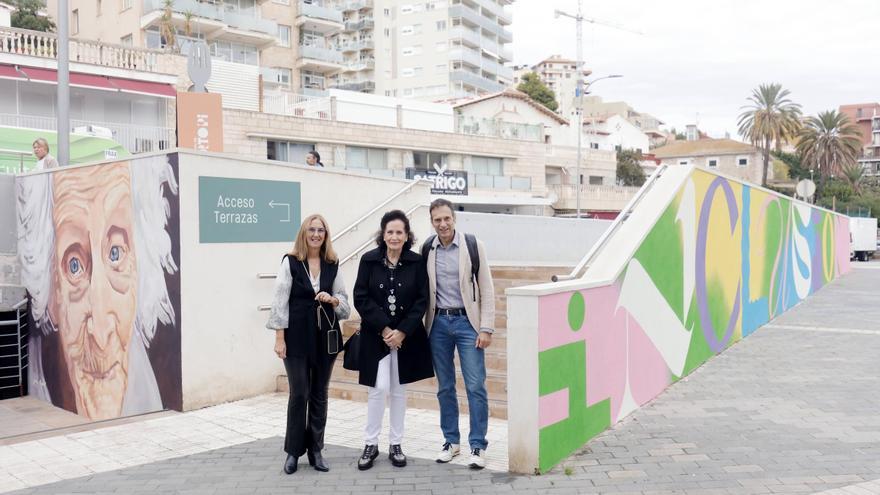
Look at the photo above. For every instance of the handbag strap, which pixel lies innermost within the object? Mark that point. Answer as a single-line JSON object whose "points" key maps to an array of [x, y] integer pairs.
{"points": [[324, 312]]}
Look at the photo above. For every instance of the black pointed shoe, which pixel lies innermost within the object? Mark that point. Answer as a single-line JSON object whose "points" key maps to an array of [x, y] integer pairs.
{"points": [[290, 464], [395, 453], [317, 461], [371, 452]]}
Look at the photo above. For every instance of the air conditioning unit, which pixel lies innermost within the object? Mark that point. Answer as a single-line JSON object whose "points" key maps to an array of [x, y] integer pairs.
{"points": [[93, 130]]}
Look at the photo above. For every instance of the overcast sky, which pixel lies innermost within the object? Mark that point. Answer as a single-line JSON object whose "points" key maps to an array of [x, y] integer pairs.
{"points": [[698, 60]]}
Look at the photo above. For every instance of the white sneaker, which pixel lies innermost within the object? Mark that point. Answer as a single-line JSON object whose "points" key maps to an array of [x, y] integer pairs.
{"points": [[449, 451], [477, 461]]}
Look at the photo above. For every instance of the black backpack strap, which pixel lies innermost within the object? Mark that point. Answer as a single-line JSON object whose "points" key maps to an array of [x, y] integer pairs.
{"points": [[474, 252], [426, 247]]}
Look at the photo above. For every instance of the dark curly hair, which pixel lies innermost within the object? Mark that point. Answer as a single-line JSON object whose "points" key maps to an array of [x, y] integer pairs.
{"points": [[391, 216]]}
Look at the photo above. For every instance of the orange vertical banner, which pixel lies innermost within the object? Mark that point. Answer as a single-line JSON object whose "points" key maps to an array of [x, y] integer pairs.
{"points": [[200, 121]]}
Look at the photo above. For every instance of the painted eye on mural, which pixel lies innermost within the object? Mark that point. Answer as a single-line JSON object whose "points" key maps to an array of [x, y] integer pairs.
{"points": [[116, 253], [117, 240], [74, 266]]}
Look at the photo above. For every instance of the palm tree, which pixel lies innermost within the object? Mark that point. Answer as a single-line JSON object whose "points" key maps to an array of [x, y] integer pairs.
{"points": [[166, 26], [770, 117], [829, 143], [854, 174]]}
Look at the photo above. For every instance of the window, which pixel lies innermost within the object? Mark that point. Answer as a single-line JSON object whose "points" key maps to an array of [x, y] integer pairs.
{"points": [[74, 22], [411, 50], [387, 33], [126, 40], [440, 69], [594, 146], [126, 4], [407, 31], [387, 12], [423, 160], [406, 9], [282, 75], [288, 151], [369, 158], [485, 165], [440, 46], [596, 180], [684, 162], [283, 35], [712, 162], [441, 25], [742, 161], [406, 73]]}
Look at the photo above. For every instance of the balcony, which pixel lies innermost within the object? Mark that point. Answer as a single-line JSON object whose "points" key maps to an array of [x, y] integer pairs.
{"points": [[356, 5], [359, 25], [499, 129], [359, 65], [497, 49], [283, 103], [214, 21], [597, 198], [360, 86], [470, 37], [318, 19], [465, 55], [475, 80], [45, 45], [504, 17], [473, 17], [357, 45], [134, 138], [319, 58]]}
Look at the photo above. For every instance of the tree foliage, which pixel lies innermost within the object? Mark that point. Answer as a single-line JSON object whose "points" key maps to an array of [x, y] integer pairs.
{"points": [[769, 118], [629, 168], [829, 143], [27, 16], [533, 86]]}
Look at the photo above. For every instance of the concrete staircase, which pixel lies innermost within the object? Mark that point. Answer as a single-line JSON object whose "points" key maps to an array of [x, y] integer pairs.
{"points": [[423, 394]]}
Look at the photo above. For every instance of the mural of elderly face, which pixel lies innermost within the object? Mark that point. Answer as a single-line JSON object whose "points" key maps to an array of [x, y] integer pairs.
{"points": [[95, 283], [97, 246]]}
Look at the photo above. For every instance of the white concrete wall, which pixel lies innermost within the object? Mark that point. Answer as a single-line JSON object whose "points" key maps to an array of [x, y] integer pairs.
{"points": [[363, 108], [624, 134], [226, 349], [508, 109], [532, 240]]}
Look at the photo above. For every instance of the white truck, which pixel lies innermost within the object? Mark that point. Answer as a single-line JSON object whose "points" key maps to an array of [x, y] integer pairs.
{"points": [[862, 237]]}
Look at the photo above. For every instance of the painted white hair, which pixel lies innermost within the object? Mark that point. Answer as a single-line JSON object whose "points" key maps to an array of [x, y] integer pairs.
{"points": [[36, 242]]}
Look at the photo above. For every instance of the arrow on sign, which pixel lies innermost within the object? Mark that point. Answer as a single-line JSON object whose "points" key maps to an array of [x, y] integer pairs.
{"points": [[273, 204]]}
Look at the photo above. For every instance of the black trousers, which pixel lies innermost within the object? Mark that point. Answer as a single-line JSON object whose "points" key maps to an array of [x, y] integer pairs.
{"points": [[307, 405]]}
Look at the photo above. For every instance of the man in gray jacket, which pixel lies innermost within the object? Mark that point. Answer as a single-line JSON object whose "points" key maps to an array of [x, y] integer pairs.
{"points": [[461, 315]]}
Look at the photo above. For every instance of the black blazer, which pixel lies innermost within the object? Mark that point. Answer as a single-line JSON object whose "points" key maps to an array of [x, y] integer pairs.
{"points": [[370, 300]]}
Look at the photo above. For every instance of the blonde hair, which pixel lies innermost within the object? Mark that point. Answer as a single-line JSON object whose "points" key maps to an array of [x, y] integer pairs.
{"points": [[301, 246]]}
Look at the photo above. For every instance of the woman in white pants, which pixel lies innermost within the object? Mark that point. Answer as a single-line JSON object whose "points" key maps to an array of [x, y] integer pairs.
{"points": [[391, 295]]}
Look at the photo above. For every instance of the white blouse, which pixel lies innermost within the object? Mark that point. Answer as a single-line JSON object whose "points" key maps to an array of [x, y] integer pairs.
{"points": [[279, 315]]}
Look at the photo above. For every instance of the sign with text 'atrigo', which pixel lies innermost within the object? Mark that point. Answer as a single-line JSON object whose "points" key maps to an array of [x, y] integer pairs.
{"points": [[248, 210]]}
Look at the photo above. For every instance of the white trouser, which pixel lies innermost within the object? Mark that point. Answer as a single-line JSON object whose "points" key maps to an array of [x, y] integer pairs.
{"points": [[387, 383]]}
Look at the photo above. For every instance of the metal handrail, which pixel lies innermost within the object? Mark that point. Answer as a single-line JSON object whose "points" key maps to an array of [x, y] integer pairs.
{"points": [[381, 205], [621, 218], [19, 304]]}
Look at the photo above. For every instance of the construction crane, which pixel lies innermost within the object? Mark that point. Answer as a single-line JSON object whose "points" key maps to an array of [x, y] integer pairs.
{"points": [[579, 20]]}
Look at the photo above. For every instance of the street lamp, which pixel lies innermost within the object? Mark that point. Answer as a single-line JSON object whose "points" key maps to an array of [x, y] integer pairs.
{"points": [[581, 89]]}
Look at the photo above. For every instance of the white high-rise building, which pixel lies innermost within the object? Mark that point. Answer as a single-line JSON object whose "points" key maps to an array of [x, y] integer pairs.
{"points": [[428, 49]]}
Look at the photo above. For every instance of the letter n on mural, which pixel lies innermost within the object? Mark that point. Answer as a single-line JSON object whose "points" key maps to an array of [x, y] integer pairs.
{"points": [[723, 259]]}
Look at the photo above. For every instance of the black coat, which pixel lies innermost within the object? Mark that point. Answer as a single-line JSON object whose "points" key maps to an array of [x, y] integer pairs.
{"points": [[370, 300]]}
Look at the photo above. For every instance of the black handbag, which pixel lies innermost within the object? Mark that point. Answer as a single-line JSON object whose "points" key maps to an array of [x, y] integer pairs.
{"points": [[352, 349]]}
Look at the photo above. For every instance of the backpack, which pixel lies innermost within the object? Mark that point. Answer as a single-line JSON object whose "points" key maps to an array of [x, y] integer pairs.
{"points": [[473, 252]]}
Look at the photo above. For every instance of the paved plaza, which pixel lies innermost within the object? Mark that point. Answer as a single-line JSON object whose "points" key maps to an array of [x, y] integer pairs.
{"points": [[791, 409]]}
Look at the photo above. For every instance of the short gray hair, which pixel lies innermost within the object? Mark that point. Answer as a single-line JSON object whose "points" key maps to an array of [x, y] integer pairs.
{"points": [[41, 142]]}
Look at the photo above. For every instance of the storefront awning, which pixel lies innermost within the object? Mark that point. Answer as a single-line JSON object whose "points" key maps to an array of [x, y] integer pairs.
{"points": [[92, 81]]}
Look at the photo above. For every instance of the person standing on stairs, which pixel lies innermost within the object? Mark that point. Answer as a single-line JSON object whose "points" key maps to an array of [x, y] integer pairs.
{"points": [[391, 294], [308, 302], [462, 300]]}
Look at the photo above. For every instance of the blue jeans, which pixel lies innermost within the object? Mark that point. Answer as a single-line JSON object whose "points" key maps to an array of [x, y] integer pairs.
{"points": [[447, 333]]}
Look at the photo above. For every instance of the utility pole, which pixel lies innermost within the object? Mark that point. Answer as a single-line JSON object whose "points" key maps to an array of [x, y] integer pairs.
{"points": [[582, 87], [63, 90]]}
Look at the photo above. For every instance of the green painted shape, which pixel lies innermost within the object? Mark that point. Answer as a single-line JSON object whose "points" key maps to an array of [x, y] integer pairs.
{"points": [[16, 148], [565, 367], [248, 210], [773, 239], [661, 255], [576, 311], [719, 313]]}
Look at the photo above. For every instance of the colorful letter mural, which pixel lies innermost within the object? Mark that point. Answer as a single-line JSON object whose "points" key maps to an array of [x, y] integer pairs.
{"points": [[97, 246], [723, 259]]}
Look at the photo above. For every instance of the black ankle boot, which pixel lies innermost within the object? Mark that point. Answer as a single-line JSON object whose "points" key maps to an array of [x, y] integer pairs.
{"points": [[371, 452], [395, 453], [317, 461], [290, 464]]}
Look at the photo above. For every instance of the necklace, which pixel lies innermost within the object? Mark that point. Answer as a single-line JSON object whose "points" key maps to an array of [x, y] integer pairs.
{"points": [[392, 299]]}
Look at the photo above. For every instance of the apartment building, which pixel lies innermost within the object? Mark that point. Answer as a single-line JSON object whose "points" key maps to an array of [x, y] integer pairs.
{"points": [[867, 117], [561, 75], [286, 42], [595, 107], [431, 50]]}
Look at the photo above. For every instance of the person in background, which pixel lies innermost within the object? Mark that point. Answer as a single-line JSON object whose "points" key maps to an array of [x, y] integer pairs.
{"points": [[461, 315], [391, 294], [313, 159], [308, 302], [44, 159]]}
